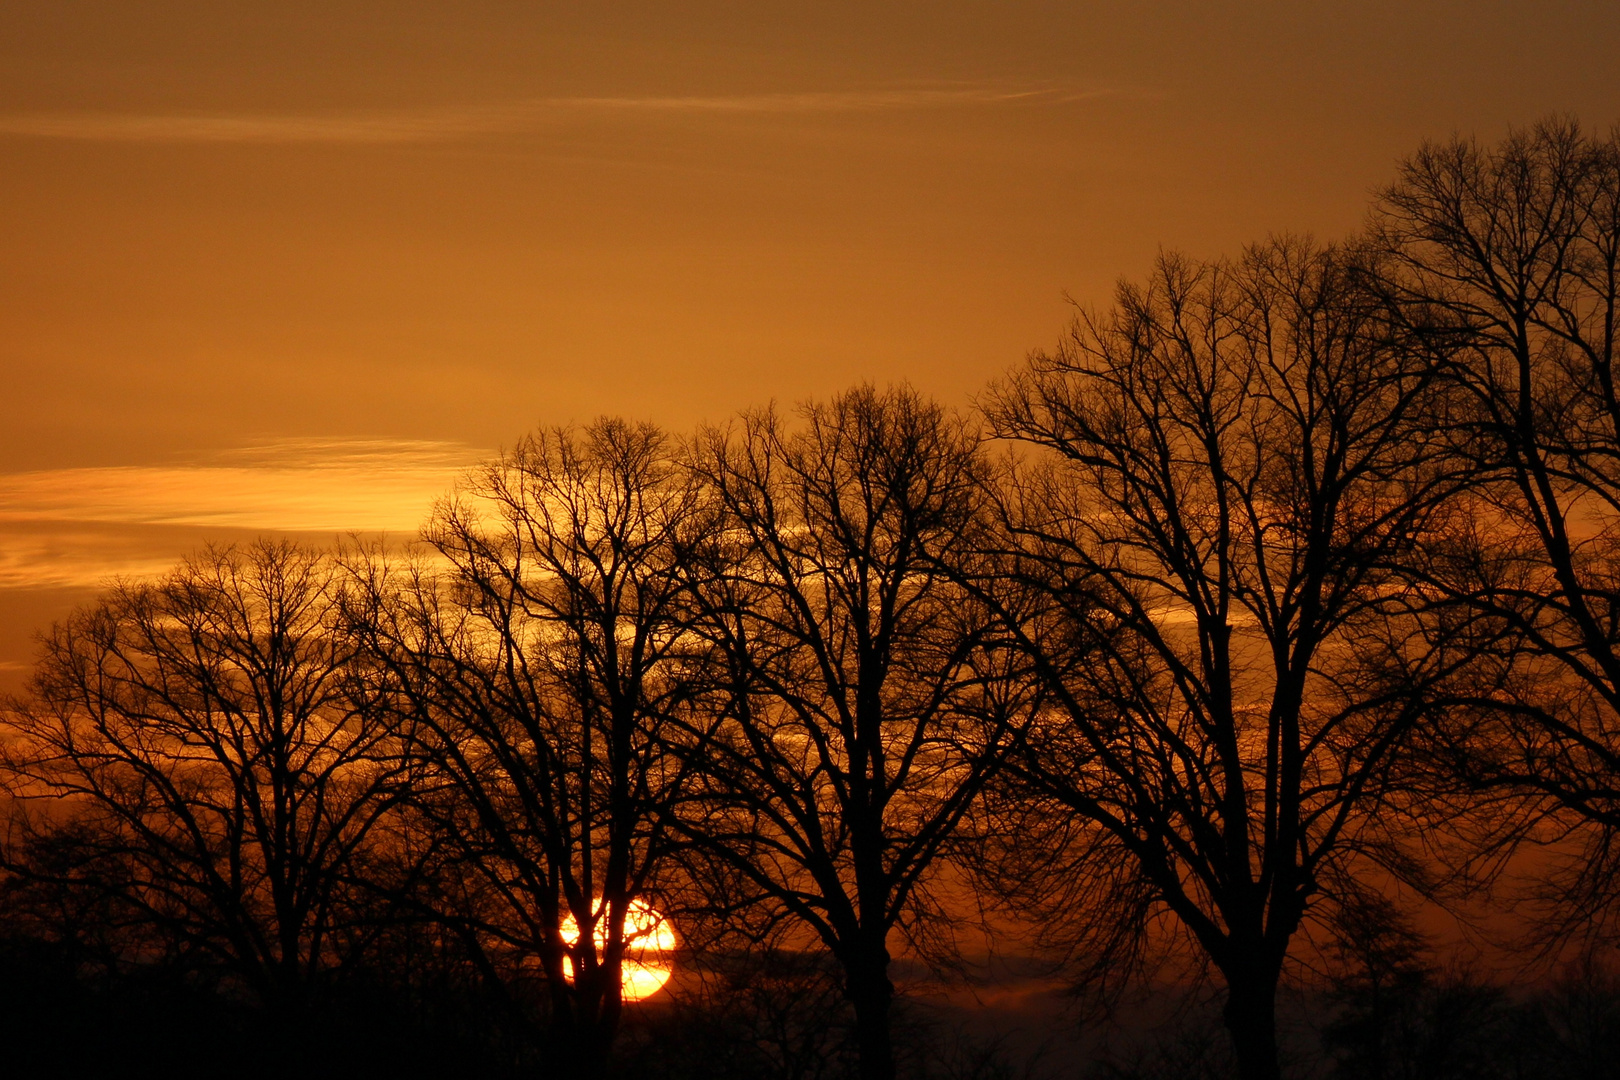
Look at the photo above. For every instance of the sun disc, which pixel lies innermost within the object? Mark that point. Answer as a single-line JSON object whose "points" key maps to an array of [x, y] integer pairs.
{"points": [[647, 935]]}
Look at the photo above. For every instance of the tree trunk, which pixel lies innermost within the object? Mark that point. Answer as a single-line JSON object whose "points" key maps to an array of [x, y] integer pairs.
{"points": [[584, 1024], [1251, 1021], [871, 993]]}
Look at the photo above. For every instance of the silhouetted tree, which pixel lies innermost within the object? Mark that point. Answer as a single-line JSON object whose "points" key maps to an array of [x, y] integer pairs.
{"points": [[1380, 981], [865, 701], [1519, 244], [1226, 470], [1397, 1012], [200, 753], [537, 675], [1574, 1027]]}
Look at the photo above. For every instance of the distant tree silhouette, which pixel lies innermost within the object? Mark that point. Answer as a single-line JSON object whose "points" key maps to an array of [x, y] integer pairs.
{"points": [[1519, 244], [1226, 470], [865, 699], [537, 676], [200, 755], [1397, 1013], [1381, 985]]}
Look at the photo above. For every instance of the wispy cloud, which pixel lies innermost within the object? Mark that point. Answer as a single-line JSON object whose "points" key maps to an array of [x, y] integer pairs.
{"points": [[82, 526], [65, 556], [299, 485], [840, 101], [438, 125]]}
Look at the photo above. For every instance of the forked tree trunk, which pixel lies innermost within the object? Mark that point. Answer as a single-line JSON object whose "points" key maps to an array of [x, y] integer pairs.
{"points": [[584, 1026]]}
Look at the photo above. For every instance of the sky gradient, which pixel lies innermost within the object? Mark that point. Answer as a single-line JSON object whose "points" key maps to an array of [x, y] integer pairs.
{"points": [[290, 267]]}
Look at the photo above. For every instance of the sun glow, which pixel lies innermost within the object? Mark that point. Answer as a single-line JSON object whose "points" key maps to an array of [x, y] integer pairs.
{"points": [[647, 937]]}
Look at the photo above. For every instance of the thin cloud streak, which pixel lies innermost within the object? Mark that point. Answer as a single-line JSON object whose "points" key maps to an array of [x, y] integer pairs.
{"points": [[839, 101], [305, 485], [63, 558], [74, 527], [440, 125]]}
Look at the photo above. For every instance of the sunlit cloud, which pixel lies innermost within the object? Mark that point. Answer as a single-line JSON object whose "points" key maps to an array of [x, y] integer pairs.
{"points": [[63, 557], [295, 486], [437, 125], [83, 526]]}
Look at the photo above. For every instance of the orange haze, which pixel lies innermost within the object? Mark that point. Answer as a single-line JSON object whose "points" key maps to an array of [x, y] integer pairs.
{"points": [[309, 236]]}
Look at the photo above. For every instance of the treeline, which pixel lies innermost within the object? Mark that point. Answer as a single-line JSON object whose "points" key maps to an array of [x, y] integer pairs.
{"points": [[1286, 587]]}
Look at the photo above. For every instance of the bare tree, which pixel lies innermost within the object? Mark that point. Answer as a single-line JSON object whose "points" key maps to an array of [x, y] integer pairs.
{"points": [[865, 701], [1519, 244], [1226, 470], [202, 750], [538, 674]]}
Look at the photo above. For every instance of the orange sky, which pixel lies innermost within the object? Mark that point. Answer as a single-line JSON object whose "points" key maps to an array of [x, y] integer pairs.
{"points": [[287, 266]]}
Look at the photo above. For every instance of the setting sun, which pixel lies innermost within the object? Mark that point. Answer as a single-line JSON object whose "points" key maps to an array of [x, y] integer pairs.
{"points": [[648, 937]]}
